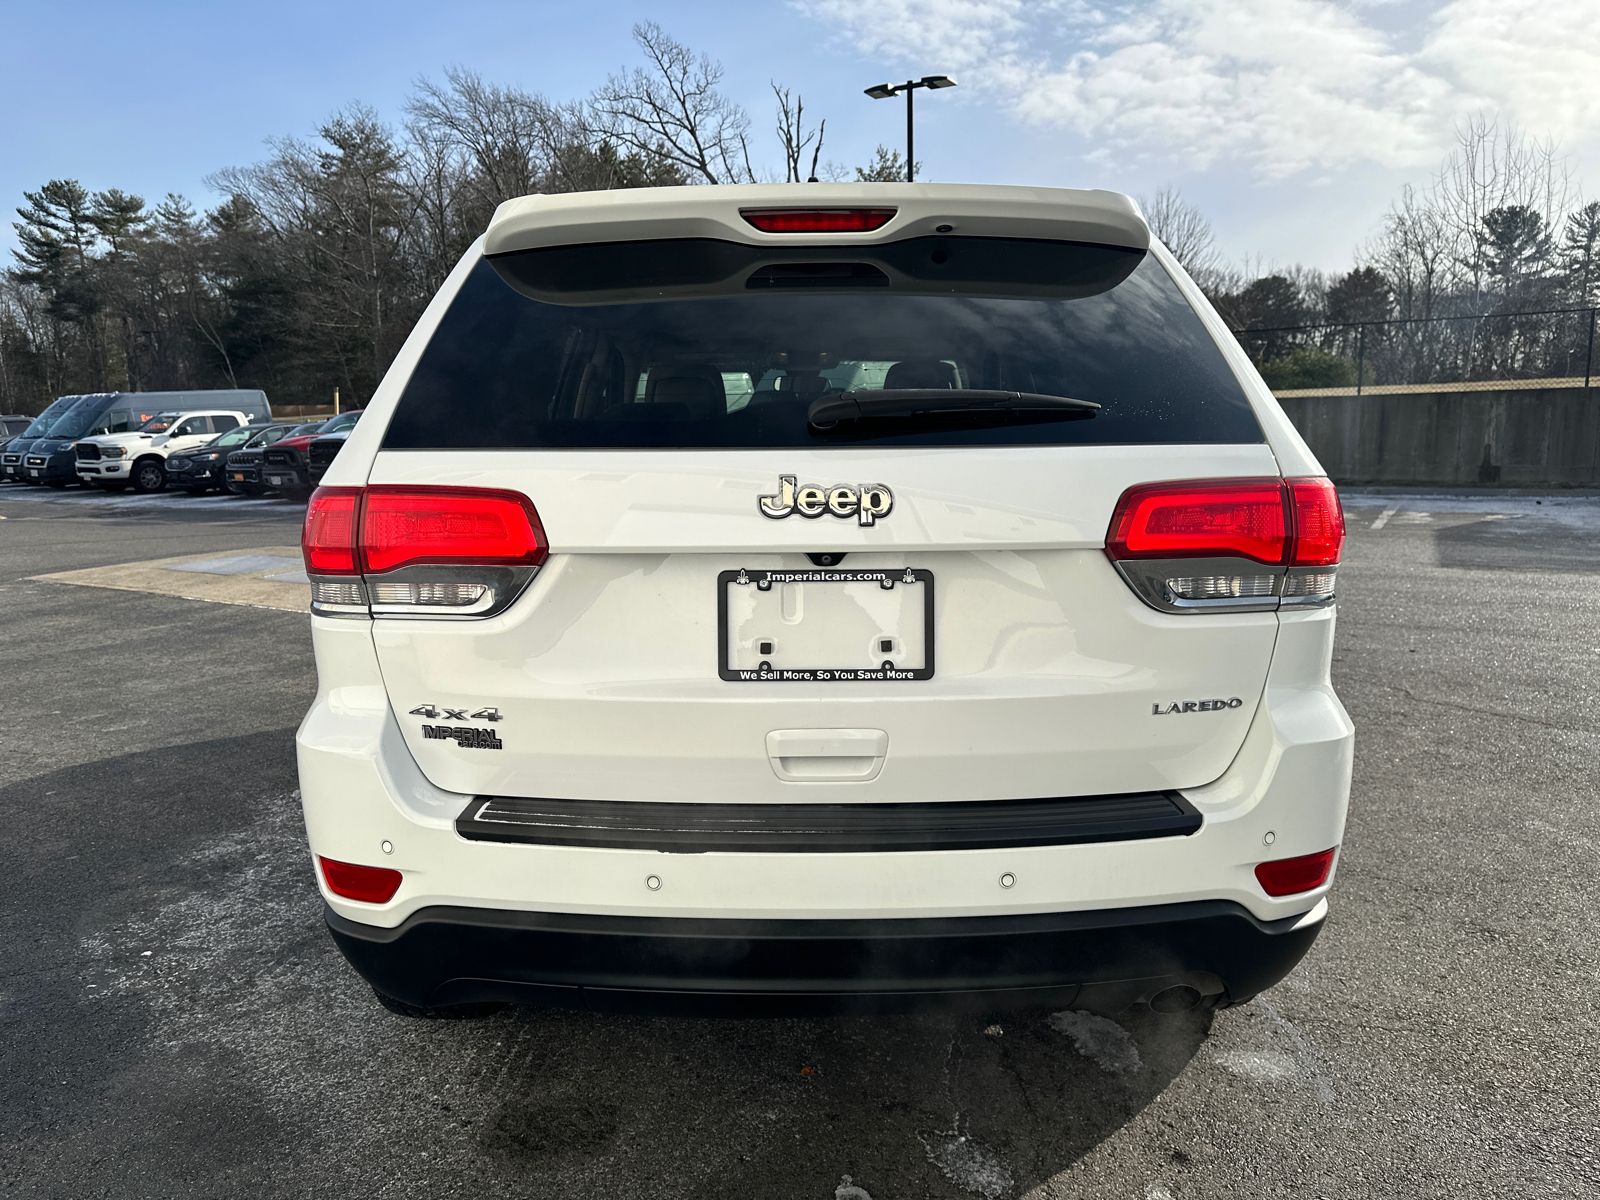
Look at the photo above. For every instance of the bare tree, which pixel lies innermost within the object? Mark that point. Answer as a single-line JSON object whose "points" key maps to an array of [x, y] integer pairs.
{"points": [[672, 109], [1183, 229], [1495, 167], [794, 136], [505, 133]]}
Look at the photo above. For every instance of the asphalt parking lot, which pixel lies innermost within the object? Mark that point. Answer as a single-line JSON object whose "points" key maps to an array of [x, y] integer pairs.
{"points": [[174, 1021]]}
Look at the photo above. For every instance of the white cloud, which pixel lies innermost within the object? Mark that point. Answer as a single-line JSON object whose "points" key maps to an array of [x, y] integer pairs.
{"points": [[1285, 86]]}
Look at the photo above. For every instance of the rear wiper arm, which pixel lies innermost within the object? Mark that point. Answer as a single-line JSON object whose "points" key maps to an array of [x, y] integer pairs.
{"points": [[905, 402]]}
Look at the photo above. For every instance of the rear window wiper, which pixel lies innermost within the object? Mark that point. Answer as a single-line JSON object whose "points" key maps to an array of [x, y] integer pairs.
{"points": [[828, 411]]}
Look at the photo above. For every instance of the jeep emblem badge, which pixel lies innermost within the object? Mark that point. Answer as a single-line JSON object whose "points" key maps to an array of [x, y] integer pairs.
{"points": [[866, 502]]}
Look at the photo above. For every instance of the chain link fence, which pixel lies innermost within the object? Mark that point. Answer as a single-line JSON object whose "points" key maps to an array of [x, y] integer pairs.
{"points": [[1547, 348]]}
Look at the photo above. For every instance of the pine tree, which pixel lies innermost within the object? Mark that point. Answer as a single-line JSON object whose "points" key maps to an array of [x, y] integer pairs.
{"points": [[887, 166], [1580, 253]]}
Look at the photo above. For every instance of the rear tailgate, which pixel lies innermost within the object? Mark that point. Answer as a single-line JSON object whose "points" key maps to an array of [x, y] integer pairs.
{"points": [[1050, 677]]}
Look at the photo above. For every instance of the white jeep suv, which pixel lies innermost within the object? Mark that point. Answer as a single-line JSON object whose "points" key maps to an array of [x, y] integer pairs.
{"points": [[783, 598], [139, 456]]}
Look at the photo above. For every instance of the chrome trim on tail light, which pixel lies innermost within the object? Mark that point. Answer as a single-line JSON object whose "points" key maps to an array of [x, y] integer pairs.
{"points": [[497, 589], [1224, 585], [440, 593], [338, 596], [1308, 587]]}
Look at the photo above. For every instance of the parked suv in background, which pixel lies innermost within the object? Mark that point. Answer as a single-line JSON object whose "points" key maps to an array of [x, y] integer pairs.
{"points": [[204, 467], [826, 596], [286, 466], [115, 460]]}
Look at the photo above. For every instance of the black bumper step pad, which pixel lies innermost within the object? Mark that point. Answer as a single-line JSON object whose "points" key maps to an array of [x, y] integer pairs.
{"points": [[827, 828]]}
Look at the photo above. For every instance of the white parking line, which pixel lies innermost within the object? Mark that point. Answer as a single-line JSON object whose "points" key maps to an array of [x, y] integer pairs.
{"points": [[1383, 517]]}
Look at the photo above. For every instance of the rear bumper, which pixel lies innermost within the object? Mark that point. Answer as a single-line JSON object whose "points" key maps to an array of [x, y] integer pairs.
{"points": [[1177, 955]]}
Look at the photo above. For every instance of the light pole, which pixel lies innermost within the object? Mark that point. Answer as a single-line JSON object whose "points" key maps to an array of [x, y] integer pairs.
{"points": [[882, 91]]}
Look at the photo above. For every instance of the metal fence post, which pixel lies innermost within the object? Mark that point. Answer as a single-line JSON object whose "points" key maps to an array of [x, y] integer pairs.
{"points": [[1361, 355], [1588, 358]]}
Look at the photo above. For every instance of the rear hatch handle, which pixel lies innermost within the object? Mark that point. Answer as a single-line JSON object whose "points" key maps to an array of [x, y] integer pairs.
{"points": [[827, 755]]}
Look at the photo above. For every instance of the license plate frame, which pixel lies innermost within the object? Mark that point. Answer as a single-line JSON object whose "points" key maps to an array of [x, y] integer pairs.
{"points": [[764, 580]]}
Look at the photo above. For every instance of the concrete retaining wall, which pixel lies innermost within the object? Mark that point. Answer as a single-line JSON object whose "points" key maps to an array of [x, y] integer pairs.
{"points": [[1525, 438]]}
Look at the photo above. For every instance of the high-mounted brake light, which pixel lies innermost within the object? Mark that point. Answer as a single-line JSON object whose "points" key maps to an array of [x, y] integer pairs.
{"points": [[478, 526], [1291, 876], [370, 885], [420, 551], [818, 220], [1228, 545]]}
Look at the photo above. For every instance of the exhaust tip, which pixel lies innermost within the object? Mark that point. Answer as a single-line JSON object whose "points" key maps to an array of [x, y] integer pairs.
{"points": [[1177, 999]]}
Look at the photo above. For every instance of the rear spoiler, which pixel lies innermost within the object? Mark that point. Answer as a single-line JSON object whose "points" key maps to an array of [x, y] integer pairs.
{"points": [[920, 210]]}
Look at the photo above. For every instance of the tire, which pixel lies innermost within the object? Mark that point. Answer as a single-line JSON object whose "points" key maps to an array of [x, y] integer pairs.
{"points": [[252, 490], [197, 491], [147, 476], [444, 1012]]}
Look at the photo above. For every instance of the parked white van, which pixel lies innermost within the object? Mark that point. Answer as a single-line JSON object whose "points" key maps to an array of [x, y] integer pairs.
{"points": [[783, 598]]}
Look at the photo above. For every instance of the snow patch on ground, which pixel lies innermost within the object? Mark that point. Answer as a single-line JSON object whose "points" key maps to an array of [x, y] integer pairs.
{"points": [[1259, 1066], [1101, 1041], [1308, 1069], [849, 1191], [969, 1165], [1154, 1191]]}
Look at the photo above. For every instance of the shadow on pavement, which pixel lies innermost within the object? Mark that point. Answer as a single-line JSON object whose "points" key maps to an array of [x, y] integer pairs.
{"points": [[177, 1021]]}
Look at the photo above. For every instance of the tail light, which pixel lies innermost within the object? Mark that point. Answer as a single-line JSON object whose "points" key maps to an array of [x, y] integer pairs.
{"points": [[420, 551], [1291, 876], [328, 539], [818, 220], [1228, 545], [370, 885]]}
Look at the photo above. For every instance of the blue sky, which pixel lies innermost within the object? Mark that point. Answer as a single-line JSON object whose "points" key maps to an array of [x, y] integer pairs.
{"points": [[1291, 122]]}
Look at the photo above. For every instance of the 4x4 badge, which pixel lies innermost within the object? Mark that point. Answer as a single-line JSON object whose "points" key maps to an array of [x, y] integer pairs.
{"points": [[454, 714], [866, 502]]}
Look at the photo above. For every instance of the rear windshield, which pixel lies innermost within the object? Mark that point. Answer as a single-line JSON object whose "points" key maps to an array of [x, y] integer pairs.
{"points": [[708, 344]]}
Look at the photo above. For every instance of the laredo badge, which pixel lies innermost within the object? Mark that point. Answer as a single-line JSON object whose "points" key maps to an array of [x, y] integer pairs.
{"points": [[1190, 706]]}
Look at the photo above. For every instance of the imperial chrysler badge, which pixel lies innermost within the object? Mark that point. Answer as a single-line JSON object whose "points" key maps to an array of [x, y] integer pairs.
{"points": [[866, 502]]}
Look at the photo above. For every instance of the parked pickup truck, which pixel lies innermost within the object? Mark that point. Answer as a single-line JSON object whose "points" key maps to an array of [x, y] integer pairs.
{"points": [[114, 460]]}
